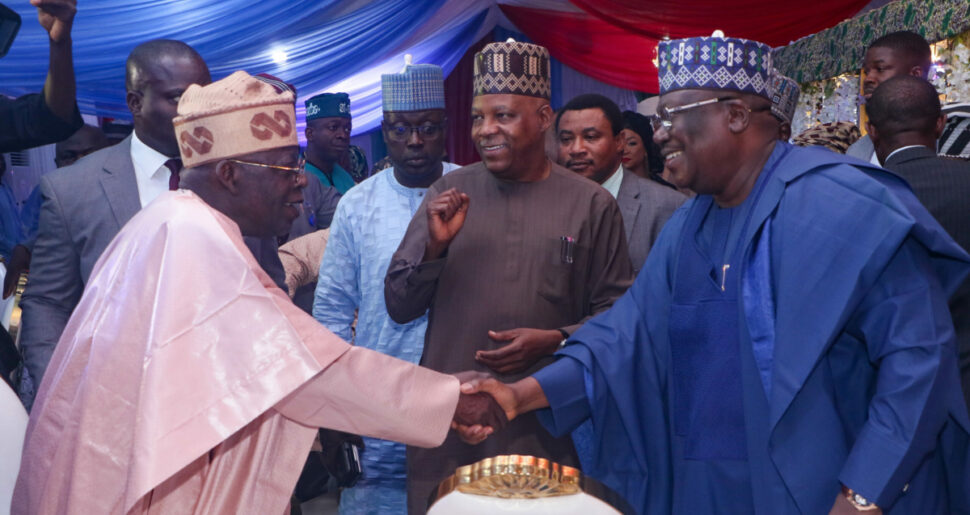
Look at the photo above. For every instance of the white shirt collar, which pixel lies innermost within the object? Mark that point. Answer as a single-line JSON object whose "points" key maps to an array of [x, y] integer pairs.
{"points": [[891, 154], [147, 161], [874, 159], [612, 184], [151, 174]]}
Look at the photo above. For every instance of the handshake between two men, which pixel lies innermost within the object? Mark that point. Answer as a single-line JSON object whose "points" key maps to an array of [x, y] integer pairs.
{"points": [[487, 405]]}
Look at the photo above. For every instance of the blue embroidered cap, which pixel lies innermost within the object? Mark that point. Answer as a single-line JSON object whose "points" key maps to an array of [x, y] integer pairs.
{"points": [[715, 62], [784, 97], [418, 88], [328, 105]]}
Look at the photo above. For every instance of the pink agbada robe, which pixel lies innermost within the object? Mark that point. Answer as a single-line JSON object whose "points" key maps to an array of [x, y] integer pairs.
{"points": [[186, 382]]}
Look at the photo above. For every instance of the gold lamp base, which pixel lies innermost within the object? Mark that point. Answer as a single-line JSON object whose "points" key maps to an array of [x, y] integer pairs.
{"points": [[516, 477]]}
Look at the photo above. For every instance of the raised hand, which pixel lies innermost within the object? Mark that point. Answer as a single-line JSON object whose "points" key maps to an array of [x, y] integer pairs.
{"points": [[446, 215], [525, 347], [56, 16]]}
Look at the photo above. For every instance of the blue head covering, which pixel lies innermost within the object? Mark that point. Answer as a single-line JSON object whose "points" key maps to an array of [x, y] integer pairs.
{"points": [[715, 62], [784, 97], [418, 88], [328, 105]]}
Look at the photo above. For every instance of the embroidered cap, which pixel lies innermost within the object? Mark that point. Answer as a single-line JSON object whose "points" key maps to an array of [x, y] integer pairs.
{"points": [[328, 105], [715, 62], [418, 88], [512, 68], [235, 116], [784, 97]]}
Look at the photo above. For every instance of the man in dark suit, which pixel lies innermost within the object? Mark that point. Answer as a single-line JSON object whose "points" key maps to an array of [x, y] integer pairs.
{"points": [[904, 125], [86, 204], [588, 130]]}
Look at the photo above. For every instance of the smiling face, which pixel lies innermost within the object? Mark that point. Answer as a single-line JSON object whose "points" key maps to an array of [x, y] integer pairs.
{"points": [[698, 141], [508, 130], [269, 199], [587, 144]]}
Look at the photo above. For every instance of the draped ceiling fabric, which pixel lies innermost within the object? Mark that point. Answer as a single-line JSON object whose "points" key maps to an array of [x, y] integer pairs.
{"points": [[774, 23], [345, 45], [593, 47]]}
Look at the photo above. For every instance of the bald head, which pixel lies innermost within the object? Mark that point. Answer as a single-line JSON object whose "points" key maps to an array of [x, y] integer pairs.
{"points": [[157, 74], [86, 140], [147, 54], [904, 103], [904, 111]]}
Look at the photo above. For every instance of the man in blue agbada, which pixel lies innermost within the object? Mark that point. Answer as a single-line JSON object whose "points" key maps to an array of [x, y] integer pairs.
{"points": [[371, 219], [787, 347]]}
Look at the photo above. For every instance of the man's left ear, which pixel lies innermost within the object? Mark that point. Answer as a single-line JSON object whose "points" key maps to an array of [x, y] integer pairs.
{"points": [[918, 71], [620, 141]]}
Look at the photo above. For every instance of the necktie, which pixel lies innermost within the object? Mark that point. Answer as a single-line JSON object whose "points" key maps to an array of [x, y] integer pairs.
{"points": [[174, 165]]}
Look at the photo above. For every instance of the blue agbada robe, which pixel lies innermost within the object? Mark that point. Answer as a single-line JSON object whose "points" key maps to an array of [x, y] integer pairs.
{"points": [[846, 352]]}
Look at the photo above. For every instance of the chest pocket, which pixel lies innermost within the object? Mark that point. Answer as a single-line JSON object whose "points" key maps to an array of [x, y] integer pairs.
{"points": [[560, 265]]}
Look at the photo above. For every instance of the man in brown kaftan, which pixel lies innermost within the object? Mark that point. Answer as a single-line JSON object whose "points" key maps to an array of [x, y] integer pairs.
{"points": [[511, 255]]}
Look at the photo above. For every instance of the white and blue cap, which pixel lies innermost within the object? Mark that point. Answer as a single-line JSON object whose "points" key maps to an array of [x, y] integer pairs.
{"points": [[715, 62], [784, 97], [419, 87]]}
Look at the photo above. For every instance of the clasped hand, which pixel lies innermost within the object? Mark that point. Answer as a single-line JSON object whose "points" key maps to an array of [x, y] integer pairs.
{"points": [[484, 406]]}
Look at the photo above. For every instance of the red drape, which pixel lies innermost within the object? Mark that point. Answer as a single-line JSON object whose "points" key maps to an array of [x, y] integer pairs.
{"points": [[458, 105], [615, 41], [775, 23], [596, 48]]}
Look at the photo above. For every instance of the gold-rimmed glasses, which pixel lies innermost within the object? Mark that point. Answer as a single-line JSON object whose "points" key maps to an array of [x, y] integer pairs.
{"points": [[298, 169], [665, 118]]}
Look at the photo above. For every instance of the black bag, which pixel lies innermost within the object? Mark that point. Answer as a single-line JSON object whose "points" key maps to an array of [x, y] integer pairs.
{"points": [[341, 456]]}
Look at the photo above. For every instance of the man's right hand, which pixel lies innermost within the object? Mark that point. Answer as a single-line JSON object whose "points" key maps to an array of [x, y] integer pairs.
{"points": [[446, 215], [57, 17], [501, 396]]}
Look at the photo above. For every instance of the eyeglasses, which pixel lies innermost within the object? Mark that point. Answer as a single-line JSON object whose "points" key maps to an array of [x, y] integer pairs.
{"points": [[401, 132], [297, 170], [665, 118]]}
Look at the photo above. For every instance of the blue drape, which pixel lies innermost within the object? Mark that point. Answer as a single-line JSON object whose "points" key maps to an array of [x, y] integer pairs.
{"points": [[324, 42]]}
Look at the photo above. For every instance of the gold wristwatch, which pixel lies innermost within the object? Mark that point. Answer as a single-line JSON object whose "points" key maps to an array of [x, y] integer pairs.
{"points": [[858, 501]]}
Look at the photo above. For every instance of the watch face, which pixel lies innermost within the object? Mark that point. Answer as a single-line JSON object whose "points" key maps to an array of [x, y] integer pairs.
{"points": [[860, 500]]}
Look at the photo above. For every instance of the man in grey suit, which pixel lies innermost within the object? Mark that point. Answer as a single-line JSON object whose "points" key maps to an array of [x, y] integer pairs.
{"points": [[893, 55], [87, 203], [588, 130], [904, 123]]}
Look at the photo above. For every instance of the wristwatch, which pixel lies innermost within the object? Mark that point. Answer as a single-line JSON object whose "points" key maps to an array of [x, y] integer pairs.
{"points": [[858, 501], [565, 337]]}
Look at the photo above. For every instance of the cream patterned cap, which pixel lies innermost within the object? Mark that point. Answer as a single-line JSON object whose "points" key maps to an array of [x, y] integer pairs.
{"points": [[235, 116]]}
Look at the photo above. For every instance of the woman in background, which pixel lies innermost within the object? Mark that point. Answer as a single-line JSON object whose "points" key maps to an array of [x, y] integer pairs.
{"points": [[640, 154]]}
